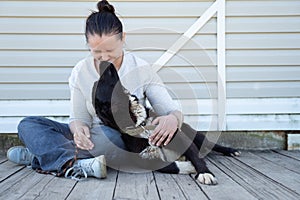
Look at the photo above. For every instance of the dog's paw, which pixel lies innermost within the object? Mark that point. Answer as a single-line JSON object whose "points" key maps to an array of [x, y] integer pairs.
{"points": [[207, 179], [235, 153], [232, 152]]}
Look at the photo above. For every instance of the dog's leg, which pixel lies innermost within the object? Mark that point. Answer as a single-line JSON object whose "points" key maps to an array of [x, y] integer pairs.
{"points": [[204, 175], [204, 145], [227, 151]]}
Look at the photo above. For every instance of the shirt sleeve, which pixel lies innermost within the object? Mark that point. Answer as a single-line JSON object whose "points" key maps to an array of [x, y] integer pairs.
{"points": [[158, 95], [78, 110]]}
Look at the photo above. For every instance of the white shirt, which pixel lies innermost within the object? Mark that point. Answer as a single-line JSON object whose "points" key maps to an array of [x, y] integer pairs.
{"points": [[136, 76]]}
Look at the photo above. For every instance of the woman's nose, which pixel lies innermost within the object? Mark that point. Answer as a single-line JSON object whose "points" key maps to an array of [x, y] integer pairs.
{"points": [[104, 57]]}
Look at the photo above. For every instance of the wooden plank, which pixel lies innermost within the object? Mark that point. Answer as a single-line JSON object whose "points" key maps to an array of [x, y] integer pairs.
{"points": [[3, 158], [273, 171], [22, 185], [51, 188], [281, 160], [14, 179], [225, 184], [7, 169], [93, 188], [189, 188], [254, 181], [136, 186], [292, 154], [168, 188]]}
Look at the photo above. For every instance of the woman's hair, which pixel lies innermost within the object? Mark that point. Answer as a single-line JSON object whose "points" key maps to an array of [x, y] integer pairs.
{"points": [[103, 22]]}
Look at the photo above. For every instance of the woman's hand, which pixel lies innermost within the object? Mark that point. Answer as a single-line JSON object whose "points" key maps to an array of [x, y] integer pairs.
{"points": [[81, 133], [165, 129]]}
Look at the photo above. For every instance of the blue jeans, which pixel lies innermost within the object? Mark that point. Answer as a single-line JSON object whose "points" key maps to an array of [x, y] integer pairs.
{"points": [[52, 144]]}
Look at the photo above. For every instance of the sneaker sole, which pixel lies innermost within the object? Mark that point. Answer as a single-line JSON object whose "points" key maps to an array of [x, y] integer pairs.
{"points": [[102, 160]]}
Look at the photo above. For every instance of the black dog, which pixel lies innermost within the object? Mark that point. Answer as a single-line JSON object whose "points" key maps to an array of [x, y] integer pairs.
{"points": [[117, 108]]}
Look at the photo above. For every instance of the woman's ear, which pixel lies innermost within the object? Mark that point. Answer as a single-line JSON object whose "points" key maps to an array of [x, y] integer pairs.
{"points": [[123, 37]]}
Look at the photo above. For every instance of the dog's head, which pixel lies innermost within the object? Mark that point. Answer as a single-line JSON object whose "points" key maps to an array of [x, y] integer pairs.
{"points": [[113, 104]]}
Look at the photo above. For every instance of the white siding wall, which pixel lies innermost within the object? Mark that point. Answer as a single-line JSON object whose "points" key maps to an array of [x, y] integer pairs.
{"points": [[40, 41]]}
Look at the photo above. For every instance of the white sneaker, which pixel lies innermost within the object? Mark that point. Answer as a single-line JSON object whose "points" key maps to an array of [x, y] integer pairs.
{"points": [[95, 167]]}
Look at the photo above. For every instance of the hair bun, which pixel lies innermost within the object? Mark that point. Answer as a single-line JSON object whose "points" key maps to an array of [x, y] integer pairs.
{"points": [[104, 6]]}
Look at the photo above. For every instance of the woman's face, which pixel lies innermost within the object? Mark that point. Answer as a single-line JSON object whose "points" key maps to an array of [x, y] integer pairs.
{"points": [[106, 48]]}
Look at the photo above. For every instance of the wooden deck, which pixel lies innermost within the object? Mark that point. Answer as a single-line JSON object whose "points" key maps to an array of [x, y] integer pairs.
{"points": [[254, 175]]}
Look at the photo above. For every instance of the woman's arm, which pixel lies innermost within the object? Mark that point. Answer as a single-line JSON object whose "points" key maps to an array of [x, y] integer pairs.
{"points": [[170, 118]]}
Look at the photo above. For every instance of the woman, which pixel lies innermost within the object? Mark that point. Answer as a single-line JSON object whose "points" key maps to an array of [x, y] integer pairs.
{"points": [[77, 149]]}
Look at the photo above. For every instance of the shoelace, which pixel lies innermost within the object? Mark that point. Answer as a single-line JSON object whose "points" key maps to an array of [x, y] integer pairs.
{"points": [[77, 173], [26, 155]]}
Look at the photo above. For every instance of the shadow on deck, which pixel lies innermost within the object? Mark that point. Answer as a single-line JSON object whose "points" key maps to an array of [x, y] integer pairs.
{"points": [[253, 175]]}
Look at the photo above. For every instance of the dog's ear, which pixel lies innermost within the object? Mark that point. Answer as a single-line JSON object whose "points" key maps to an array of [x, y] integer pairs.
{"points": [[94, 93], [103, 66]]}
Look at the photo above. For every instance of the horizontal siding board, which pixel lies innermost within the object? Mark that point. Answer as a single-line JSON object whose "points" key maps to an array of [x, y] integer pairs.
{"points": [[10, 124], [182, 58], [262, 73], [76, 25], [193, 90], [263, 106], [247, 122], [188, 74], [183, 9], [70, 58], [262, 8], [17, 108], [41, 58], [190, 107], [263, 57], [263, 41], [263, 122], [159, 41], [34, 91], [263, 89], [123, 9], [287, 24], [77, 42], [34, 108], [61, 91], [42, 42], [34, 75], [268, 24]]}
